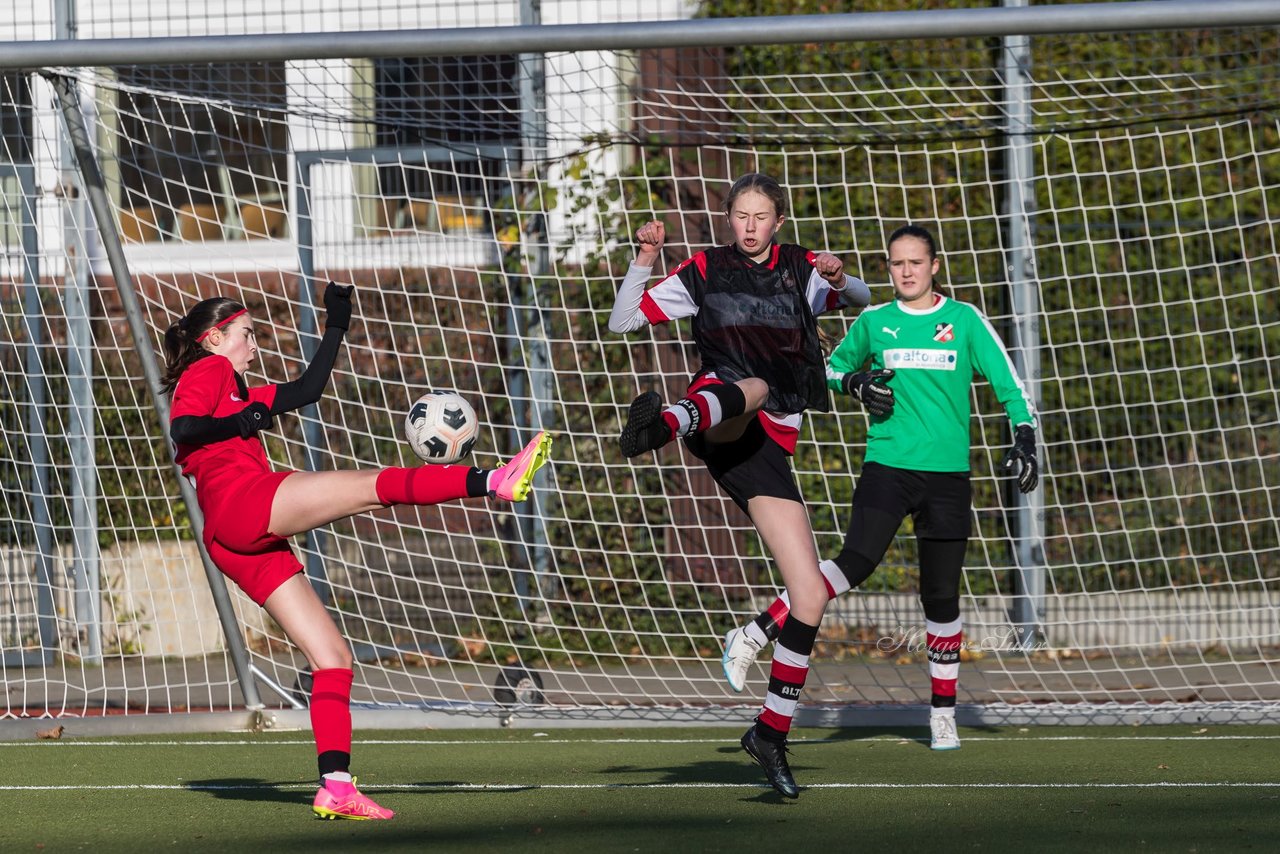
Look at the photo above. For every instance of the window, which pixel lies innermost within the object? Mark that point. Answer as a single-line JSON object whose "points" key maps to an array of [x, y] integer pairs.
{"points": [[203, 151], [15, 150], [455, 103], [15, 118]]}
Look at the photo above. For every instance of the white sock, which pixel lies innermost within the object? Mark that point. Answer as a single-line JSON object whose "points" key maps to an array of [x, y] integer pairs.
{"points": [[756, 633], [338, 776], [948, 712]]}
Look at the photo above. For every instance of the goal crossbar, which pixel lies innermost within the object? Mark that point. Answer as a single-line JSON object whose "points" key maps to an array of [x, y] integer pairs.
{"points": [[714, 32]]}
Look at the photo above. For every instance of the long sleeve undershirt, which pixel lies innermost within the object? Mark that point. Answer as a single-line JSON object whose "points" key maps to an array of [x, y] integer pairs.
{"points": [[309, 388], [305, 390], [627, 316]]}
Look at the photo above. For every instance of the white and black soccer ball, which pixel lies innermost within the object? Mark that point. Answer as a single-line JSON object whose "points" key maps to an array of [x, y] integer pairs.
{"points": [[441, 427]]}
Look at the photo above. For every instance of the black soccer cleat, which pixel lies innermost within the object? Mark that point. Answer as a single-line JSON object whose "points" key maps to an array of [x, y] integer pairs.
{"points": [[645, 430], [772, 757]]}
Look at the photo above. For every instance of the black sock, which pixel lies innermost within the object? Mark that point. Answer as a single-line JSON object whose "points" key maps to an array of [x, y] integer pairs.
{"points": [[333, 760], [768, 733], [477, 483]]}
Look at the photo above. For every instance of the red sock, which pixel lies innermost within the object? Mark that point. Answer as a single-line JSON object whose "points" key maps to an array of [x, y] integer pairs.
{"points": [[669, 419], [422, 485], [331, 709], [943, 642], [787, 674]]}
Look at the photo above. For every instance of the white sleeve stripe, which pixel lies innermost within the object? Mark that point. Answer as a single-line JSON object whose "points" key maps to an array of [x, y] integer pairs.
{"points": [[673, 298], [1013, 372]]}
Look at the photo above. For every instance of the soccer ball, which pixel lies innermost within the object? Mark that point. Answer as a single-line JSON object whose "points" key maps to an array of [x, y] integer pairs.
{"points": [[441, 427]]}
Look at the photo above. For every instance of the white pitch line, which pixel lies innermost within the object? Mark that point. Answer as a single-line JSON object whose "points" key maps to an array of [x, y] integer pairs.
{"points": [[424, 742], [504, 787]]}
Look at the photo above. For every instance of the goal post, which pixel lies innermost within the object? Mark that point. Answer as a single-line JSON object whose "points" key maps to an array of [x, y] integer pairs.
{"points": [[1105, 188]]}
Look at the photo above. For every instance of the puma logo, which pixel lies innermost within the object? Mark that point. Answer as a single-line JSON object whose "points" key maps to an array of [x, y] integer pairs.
{"points": [[236, 398], [893, 332]]}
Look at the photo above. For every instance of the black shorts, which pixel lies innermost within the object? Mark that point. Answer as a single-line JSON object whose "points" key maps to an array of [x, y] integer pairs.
{"points": [[749, 466], [939, 503]]}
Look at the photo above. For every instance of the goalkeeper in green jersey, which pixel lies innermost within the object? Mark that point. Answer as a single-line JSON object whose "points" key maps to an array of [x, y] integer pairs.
{"points": [[911, 363]]}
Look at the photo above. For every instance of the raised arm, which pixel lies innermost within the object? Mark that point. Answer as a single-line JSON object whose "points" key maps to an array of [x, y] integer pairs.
{"points": [[626, 315], [831, 288], [309, 388]]}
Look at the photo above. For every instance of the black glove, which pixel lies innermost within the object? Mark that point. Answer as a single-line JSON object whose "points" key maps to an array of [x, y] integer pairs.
{"points": [[869, 387], [254, 417], [1023, 452], [337, 305]]}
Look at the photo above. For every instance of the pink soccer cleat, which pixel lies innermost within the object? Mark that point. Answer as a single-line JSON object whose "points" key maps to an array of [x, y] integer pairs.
{"points": [[343, 800], [513, 481]]}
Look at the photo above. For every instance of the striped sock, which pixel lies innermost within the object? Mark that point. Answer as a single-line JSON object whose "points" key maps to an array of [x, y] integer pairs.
{"points": [[943, 641], [768, 623], [787, 675], [704, 409]]}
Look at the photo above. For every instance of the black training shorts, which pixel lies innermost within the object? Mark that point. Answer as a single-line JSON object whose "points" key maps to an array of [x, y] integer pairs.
{"points": [[749, 466], [939, 503]]}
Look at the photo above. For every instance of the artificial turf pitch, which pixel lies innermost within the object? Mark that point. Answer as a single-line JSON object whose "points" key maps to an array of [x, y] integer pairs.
{"points": [[1153, 788]]}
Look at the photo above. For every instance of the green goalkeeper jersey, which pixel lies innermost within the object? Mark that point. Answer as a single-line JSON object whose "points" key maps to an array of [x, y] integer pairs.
{"points": [[934, 354]]}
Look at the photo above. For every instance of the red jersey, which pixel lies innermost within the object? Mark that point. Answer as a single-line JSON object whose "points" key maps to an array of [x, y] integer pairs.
{"points": [[209, 387]]}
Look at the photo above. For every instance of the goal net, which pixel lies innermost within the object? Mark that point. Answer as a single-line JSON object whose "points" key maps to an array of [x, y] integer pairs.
{"points": [[486, 231]]}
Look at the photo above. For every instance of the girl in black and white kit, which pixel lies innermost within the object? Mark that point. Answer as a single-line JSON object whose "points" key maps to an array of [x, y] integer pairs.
{"points": [[752, 306]]}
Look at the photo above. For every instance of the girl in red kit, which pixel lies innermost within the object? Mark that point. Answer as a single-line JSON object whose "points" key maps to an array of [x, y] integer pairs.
{"points": [[250, 510]]}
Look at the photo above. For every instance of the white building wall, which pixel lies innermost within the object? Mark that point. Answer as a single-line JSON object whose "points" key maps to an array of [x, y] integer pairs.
{"points": [[582, 92]]}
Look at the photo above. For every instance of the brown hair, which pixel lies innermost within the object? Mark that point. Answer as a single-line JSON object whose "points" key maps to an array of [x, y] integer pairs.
{"points": [[918, 233], [925, 237], [181, 347], [762, 184]]}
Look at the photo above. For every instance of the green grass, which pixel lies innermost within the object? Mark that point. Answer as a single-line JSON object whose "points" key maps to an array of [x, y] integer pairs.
{"points": [[646, 789]]}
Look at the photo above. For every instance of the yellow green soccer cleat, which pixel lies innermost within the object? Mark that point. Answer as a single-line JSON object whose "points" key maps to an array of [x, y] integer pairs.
{"points": [[513, 481]]}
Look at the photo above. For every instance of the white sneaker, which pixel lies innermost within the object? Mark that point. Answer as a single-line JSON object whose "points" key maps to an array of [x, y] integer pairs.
{"points": [[739, 651], [942, 728]]}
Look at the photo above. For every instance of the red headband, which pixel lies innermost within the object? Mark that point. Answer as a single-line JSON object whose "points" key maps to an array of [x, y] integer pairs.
{"points": [[219, 325]]}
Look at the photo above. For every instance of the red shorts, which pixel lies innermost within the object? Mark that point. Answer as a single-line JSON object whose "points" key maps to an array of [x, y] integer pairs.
{"points": [[239, 543]]}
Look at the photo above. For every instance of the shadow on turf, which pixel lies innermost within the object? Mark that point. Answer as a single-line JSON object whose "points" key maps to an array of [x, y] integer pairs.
{"points": [[251, 789], [918, 734], [738, 769]]}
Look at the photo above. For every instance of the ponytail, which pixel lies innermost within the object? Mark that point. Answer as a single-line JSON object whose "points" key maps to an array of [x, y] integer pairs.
{"points": [[182, 339]]}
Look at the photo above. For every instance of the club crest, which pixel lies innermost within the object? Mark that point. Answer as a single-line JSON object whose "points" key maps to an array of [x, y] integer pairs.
{"points": [[943, 332]]}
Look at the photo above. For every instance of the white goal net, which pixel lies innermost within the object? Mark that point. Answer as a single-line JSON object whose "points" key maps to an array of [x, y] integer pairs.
{"points": [[486, 231]]}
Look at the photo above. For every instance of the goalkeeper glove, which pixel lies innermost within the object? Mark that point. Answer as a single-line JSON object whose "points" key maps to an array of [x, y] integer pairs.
{"points": [[337, 305], [1023, 453], [254, 417], [869, 387]]}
